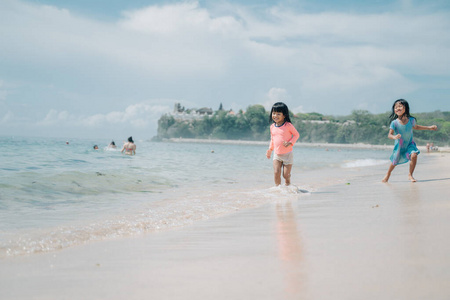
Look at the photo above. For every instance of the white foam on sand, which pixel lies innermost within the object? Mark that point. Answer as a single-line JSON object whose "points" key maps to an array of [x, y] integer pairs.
{"points": [[290, 190], [364, 163]]}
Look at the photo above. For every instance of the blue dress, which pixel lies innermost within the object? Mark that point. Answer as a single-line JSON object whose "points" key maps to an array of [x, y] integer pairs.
{"points": [[405, 145]]}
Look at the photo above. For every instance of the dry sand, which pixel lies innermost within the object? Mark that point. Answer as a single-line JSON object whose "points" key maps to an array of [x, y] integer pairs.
{"points": [[357, 239]]}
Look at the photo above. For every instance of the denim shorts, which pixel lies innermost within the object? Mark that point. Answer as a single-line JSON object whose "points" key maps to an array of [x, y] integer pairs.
{"points": [[286, 159]]}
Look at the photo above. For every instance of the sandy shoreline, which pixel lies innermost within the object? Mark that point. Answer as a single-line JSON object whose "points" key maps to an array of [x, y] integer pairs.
{"points": [[298, 144], [356, 239]]}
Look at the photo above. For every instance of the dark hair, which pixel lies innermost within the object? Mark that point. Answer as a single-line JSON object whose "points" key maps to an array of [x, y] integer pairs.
{"points": [[130, 139], [112, 143], [403, 102], [282, 108]]}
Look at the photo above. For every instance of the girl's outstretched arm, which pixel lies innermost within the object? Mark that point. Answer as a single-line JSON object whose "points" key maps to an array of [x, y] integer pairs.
{"points": [[419, 127]]}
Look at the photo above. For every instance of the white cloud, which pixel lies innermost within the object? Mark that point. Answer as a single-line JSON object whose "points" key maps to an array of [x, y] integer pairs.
{"points": [[183, 37], [275, 95], [140, 116], [178, 18], [54, 117], [281, 95], [151, 39]]}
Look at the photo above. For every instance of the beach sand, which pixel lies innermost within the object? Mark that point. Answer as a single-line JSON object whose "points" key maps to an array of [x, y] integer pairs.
{"points": [[355, 239]]}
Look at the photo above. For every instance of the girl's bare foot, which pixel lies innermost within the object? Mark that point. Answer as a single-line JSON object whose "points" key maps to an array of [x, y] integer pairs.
{"points": [[412, 178], [388, 174]]}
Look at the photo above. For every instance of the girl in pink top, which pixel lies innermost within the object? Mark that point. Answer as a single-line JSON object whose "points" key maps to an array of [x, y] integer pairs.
{"points": [[283, 136]]}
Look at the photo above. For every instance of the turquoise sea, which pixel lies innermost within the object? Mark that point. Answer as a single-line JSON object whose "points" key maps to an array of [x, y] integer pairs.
{"points": [[55, 195]]}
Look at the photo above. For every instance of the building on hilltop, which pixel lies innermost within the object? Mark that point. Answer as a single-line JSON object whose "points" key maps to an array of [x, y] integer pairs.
{"points": [[204, 111], [180, 113]]}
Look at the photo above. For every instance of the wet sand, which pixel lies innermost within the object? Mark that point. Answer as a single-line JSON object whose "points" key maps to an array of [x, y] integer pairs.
{"points": [[356, 239]]}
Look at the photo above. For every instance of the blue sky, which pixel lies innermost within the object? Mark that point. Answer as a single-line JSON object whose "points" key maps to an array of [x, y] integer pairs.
{"points": [[111, 68]]}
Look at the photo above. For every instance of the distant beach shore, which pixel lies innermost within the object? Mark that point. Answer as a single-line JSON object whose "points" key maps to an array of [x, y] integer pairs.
{"points": [[298, 144]]}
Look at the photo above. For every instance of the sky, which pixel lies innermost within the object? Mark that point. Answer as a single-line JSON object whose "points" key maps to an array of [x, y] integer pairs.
{"points": [[111, 68]]}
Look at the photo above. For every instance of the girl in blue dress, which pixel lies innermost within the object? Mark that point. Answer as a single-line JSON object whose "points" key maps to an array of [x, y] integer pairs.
{"points": [[401, 130]]}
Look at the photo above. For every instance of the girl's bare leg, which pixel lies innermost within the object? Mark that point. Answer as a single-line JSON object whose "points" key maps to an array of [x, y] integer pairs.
{"points": [[277, 171], [388, 174], [287, 174], [412, 166]]}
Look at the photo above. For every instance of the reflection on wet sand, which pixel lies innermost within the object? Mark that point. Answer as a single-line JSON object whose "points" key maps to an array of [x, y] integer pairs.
{"points": [[290, 248], [410, 212], [422, 215]]}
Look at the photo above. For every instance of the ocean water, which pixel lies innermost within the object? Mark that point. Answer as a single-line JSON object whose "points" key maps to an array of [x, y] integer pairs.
{"points": [[55, 195]]}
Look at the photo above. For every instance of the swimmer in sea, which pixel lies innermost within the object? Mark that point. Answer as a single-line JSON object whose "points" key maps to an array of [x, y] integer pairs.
{"points": [[130, 147], [112, 145]]}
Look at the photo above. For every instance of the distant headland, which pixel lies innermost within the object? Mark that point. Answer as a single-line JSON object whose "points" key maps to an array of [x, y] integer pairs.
{"points": [[253, 125]]}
